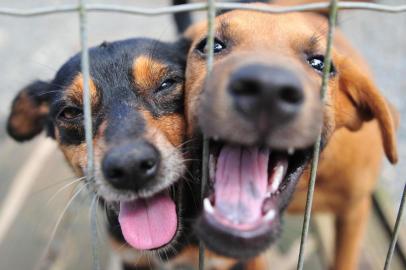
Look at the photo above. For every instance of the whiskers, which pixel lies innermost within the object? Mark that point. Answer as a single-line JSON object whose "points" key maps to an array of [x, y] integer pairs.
{"points": [[64, 187], [48, 253]]}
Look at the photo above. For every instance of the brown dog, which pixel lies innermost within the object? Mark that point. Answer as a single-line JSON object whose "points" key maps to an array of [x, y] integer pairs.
{"points": [[261, 107]]}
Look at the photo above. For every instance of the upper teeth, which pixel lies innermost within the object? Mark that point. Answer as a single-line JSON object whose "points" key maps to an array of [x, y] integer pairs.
{"points": [[291, 151]]}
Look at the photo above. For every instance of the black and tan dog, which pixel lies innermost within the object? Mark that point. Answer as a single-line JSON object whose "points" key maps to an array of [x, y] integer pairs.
{"points": [[261, 107], [137, 97]]}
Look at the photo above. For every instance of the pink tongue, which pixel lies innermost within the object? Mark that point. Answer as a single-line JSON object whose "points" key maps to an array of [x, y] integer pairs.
{"points": [[241, 183], [148, 223]]}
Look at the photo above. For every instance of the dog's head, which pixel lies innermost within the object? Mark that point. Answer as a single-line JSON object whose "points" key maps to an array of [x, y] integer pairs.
{"points": [[262, 109], [136, 89]]}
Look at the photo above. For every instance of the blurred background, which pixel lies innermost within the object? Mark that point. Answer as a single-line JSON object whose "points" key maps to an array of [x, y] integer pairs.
{"points": [[34, 48]]}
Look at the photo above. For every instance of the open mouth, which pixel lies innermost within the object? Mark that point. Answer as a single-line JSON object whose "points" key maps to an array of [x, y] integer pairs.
{"points": [[150, 223], [249, 187]]}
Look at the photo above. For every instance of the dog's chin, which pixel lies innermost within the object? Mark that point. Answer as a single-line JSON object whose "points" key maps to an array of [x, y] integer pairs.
{"points": [[244, 225], [241, 245]]}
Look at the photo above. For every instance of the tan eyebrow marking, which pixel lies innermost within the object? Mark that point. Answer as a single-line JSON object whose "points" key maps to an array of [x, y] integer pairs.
{"points": [[74, 91], [148, 73]]}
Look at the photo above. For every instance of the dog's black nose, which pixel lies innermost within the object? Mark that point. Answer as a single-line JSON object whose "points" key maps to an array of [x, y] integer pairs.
{"points": [[266, 93], [131, 166]]}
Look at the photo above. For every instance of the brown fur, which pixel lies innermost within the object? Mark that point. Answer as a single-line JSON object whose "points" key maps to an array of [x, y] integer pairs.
{"points": [[145, 72], [26, 115], [74, 92], [350, 164], [173, 126]]}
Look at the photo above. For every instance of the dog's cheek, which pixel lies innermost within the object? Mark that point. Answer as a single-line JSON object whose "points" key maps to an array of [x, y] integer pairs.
{"points": [[174, 128], [195, 77], [75, 155]]}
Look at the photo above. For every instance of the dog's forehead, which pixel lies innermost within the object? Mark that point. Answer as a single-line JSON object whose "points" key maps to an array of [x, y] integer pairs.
{"points": [[130, 64], [270, 29]]}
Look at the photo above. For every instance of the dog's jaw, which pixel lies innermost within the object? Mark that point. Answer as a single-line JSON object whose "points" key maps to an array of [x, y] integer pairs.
{"points": [[221, 225]]}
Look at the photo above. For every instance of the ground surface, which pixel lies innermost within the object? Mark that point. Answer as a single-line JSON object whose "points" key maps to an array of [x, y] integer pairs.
{"points": [[35, 48]]}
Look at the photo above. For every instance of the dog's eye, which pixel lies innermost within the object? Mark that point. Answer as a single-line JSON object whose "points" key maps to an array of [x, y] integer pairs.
{"points": [[218, 46], [70, 113], [166, 84], [317, 62]]}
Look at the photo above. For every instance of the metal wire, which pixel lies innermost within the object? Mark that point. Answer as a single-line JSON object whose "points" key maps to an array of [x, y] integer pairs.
{"points": [[396, 230], [211, 6], [211, 13], [194, 7], [87, 111], [94, 234], [316, 152]]}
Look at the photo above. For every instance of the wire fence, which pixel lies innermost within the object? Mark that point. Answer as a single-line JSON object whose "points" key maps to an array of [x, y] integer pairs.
{"points": [[211, 6]]}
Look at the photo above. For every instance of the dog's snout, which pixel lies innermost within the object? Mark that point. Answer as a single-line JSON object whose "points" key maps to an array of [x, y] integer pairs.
{"points": [[131, 166], [272, 93]]}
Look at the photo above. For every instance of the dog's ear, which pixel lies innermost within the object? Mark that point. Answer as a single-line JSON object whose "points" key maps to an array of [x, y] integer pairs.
{"points": [[182, 46], [365, 103], [29, 111]]}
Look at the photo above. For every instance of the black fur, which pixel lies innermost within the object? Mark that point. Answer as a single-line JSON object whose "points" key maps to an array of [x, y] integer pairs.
{"points": [[182, 19], [111, 71]]}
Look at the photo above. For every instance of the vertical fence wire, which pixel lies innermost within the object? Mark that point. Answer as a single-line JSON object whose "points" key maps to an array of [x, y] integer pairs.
{"points": [[211, 13], [88, 123], [316, 152], [396, 231], [94, 236]]}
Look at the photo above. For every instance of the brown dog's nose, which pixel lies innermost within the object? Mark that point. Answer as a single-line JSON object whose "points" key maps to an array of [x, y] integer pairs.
{"points": [[265, 93], [131, 166]]}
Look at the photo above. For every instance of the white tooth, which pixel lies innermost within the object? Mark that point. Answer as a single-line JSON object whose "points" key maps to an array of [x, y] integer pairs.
{"points": [[277, 178], [215, 138], [270, 215], [208, 206], [291, 151]]}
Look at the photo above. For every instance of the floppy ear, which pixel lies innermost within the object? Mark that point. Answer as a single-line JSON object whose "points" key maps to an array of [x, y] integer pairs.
{"points": [[182, 45], [367, 104], [29, 111]]}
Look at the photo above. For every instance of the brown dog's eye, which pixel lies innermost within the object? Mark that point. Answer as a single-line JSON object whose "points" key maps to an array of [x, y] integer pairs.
{"points": [[317, 62], [70, 113], [218, 46]]}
